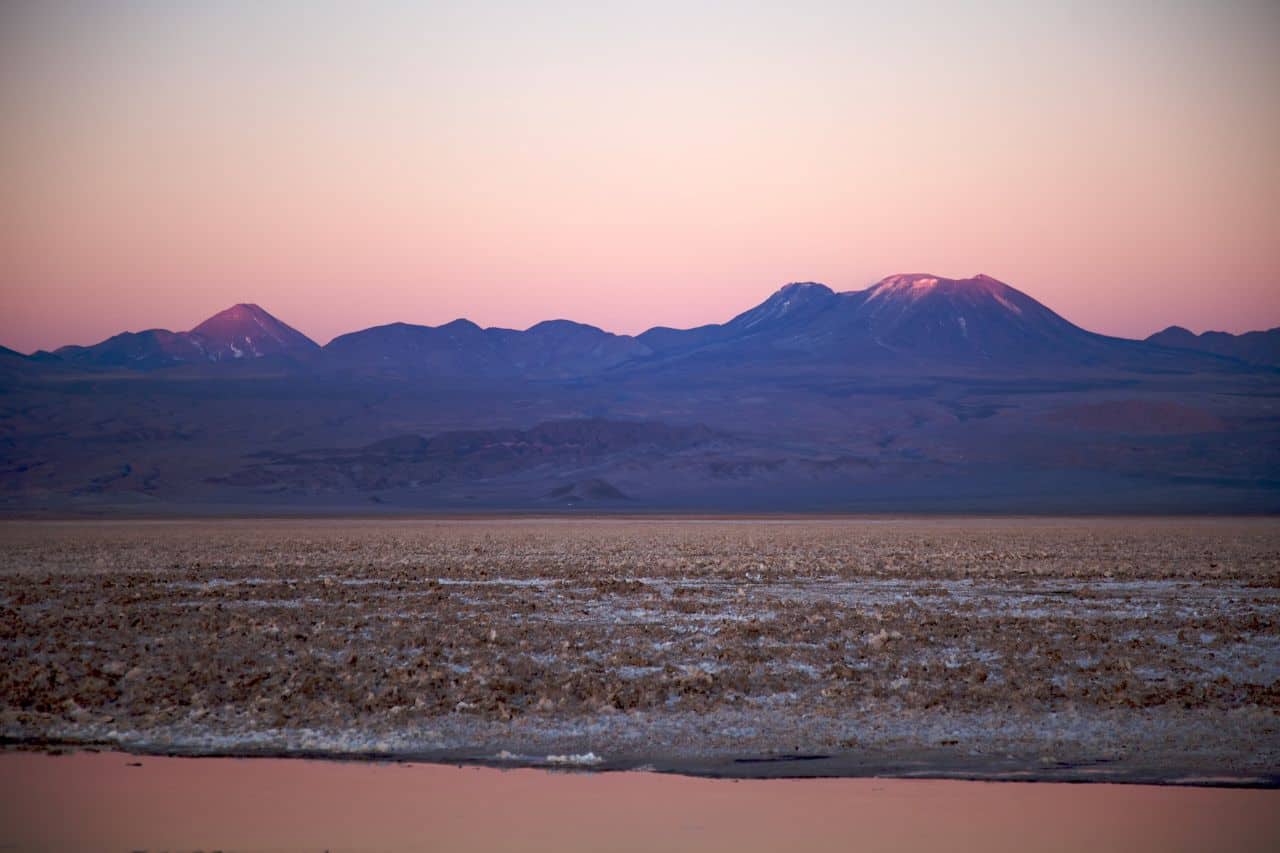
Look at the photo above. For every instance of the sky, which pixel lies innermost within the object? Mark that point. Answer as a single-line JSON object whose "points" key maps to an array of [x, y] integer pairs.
{"points": [[630, 164]]}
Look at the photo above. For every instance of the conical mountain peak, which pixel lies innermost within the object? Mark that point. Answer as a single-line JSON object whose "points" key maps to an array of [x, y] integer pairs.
{"points": [[246, 330]]}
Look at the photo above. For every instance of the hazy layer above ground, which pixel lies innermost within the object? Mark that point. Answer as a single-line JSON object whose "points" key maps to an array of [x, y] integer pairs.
{"points": [[1060, 648], [759, 440]]}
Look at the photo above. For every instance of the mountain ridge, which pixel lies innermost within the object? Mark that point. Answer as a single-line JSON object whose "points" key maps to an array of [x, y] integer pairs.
{"points": [[1257, 347], [901, 320]]}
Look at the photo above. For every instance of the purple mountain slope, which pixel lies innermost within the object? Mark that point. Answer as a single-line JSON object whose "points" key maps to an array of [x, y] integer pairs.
{"points": [[457, 348], [977, 317], [1252, 347], [241, 332], [247, 331], [909, 322], [137, 350], [551, 349], [790, 307]]}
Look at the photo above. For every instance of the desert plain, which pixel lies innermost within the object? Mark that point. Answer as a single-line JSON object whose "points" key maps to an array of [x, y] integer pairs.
{"points": [[1117, 649]]}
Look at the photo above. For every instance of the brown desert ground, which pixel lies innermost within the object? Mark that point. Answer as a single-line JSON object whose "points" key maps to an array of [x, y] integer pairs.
{"points": [[1139, 649]]}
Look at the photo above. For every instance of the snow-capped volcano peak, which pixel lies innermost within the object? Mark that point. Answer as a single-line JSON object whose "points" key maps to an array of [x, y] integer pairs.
{"points": [[921, 283], [246, 330], [977, 289], [964, 317]]}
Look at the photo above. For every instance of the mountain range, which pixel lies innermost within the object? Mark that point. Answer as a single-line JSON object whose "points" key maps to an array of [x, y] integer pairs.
{"points": [[917, 393], [911, 318]]}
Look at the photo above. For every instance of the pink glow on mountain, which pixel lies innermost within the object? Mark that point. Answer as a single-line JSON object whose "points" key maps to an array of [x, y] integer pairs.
{"points": [[246, 330]]}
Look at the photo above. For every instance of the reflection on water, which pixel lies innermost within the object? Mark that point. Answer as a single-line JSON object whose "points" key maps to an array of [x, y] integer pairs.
{"points": [[92, 801]]}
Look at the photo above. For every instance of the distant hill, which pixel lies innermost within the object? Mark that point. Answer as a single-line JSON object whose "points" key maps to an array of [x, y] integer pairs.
{"points": [[1252, 347], [555, 348]]}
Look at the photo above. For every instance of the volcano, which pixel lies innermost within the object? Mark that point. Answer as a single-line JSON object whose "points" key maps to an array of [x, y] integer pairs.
{"points": [[247, 331], [908, 320], [242, 331], [976, 318]]}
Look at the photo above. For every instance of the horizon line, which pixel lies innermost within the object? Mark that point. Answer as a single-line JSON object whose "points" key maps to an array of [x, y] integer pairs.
{"points": [[564, 319]]}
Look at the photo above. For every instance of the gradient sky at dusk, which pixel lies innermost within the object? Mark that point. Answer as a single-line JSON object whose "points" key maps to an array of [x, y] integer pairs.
{"points": [[630, 164]]}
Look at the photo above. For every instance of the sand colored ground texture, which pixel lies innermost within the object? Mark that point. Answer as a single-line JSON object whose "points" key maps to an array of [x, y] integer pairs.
{"points": [[1119, 649]]}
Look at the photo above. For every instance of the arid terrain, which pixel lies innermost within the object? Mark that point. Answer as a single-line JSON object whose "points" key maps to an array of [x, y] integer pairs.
{"points": [[1119, 649], [917, 395]]}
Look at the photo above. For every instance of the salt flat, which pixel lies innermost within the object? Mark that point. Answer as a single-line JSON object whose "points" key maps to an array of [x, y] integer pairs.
{"points": [[1141, 649]]}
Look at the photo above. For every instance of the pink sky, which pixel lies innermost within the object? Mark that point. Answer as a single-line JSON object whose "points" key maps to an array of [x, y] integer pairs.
{"points": [[673, 165]]}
